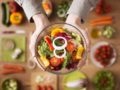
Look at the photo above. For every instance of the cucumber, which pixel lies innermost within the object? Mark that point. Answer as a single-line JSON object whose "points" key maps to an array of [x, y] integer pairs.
{"points": [[61, 13], [5, 14]]}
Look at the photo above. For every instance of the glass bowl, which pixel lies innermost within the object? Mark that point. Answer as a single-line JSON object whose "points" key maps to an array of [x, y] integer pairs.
{"points": [[71, 29]]}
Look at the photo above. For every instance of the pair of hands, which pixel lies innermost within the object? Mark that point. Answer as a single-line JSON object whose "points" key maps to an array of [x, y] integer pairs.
{"points": [[41, 22]]}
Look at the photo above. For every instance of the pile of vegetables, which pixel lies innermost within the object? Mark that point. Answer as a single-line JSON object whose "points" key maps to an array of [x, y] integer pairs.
{"points": [[104, 80], [61, 49], [45, 87], [105, 20], [11, 13], [10, 84], [104, 54], [62, 9], [103, 8], [108, 31]]}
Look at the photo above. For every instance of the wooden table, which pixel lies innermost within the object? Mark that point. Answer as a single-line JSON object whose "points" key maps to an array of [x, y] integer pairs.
{"points": [[89, 69]]}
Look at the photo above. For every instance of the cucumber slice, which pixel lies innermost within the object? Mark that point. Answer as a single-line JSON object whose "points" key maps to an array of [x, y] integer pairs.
{"points": [[61, 13], [5, 14]]}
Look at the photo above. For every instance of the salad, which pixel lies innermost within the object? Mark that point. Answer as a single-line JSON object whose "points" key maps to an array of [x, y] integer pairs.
{"points": [[60, 49]]}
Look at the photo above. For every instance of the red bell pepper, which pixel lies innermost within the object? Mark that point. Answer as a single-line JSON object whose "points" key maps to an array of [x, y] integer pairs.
{"points": [[49, 42]]}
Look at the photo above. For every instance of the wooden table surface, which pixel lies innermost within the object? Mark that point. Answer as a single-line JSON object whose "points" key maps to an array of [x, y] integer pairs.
{"points": [[89, 69]]}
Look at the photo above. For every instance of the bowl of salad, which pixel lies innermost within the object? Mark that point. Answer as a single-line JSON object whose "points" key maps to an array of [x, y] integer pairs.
{"points": [[61, 48]]}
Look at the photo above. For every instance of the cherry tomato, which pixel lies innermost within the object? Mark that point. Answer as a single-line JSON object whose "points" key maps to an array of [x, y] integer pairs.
{"points": [[50, 88]]}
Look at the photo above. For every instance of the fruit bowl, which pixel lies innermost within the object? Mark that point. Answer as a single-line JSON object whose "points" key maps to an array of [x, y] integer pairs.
{"points": [[61, 48]]}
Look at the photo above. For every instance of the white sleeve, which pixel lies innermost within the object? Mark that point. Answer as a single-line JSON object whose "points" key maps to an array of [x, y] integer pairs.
{"points": [[30, 7], [81, 7]]}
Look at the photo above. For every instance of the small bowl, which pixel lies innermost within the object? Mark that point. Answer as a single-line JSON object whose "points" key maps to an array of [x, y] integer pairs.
{"points": [[71, 28], [95, 47]]}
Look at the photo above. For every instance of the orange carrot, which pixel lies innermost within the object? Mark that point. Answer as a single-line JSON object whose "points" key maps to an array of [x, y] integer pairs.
{"points": [[102, 23], [10, 71], [11, 66], [105, 18]]}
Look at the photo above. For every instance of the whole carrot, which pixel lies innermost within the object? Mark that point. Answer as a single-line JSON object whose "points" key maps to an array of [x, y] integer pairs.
{"points": [[11, 66], [10, 71], [102, 23], [105, 18]]}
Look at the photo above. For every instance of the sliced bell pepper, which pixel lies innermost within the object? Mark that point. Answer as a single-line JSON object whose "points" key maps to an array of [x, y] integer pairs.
{"points": [[44, 60], [56, 31], [49, 42], [79, 52]]}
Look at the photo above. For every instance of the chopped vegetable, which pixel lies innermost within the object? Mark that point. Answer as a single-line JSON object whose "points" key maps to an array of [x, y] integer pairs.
{"points": [[70, 46], [62, 9], [45, 87], [77, 37], [49, 42], [108, 31], [56, 31], [44, 60], [55, 61], [62, 55], [104, 80], [60, 40], [66, 60], [10, 84], [16, 18], [79, 52], [43, 49]]}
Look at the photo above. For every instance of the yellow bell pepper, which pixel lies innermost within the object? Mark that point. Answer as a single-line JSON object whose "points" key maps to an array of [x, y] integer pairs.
{"points": [[79, 52], [44, 60], [16, 18], [56, 31]]}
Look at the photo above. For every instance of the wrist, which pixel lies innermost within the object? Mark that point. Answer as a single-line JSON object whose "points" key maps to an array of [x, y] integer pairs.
{"points": [[72, 18], [40, 20]]}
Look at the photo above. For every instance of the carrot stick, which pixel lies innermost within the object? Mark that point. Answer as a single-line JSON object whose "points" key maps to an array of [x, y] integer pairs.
{"points": [[102, 23], [16, 67], [105, 18]]}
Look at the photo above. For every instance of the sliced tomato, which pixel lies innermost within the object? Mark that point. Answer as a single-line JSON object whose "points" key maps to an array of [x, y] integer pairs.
{"points": [[55, 61], [70, 47]]}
